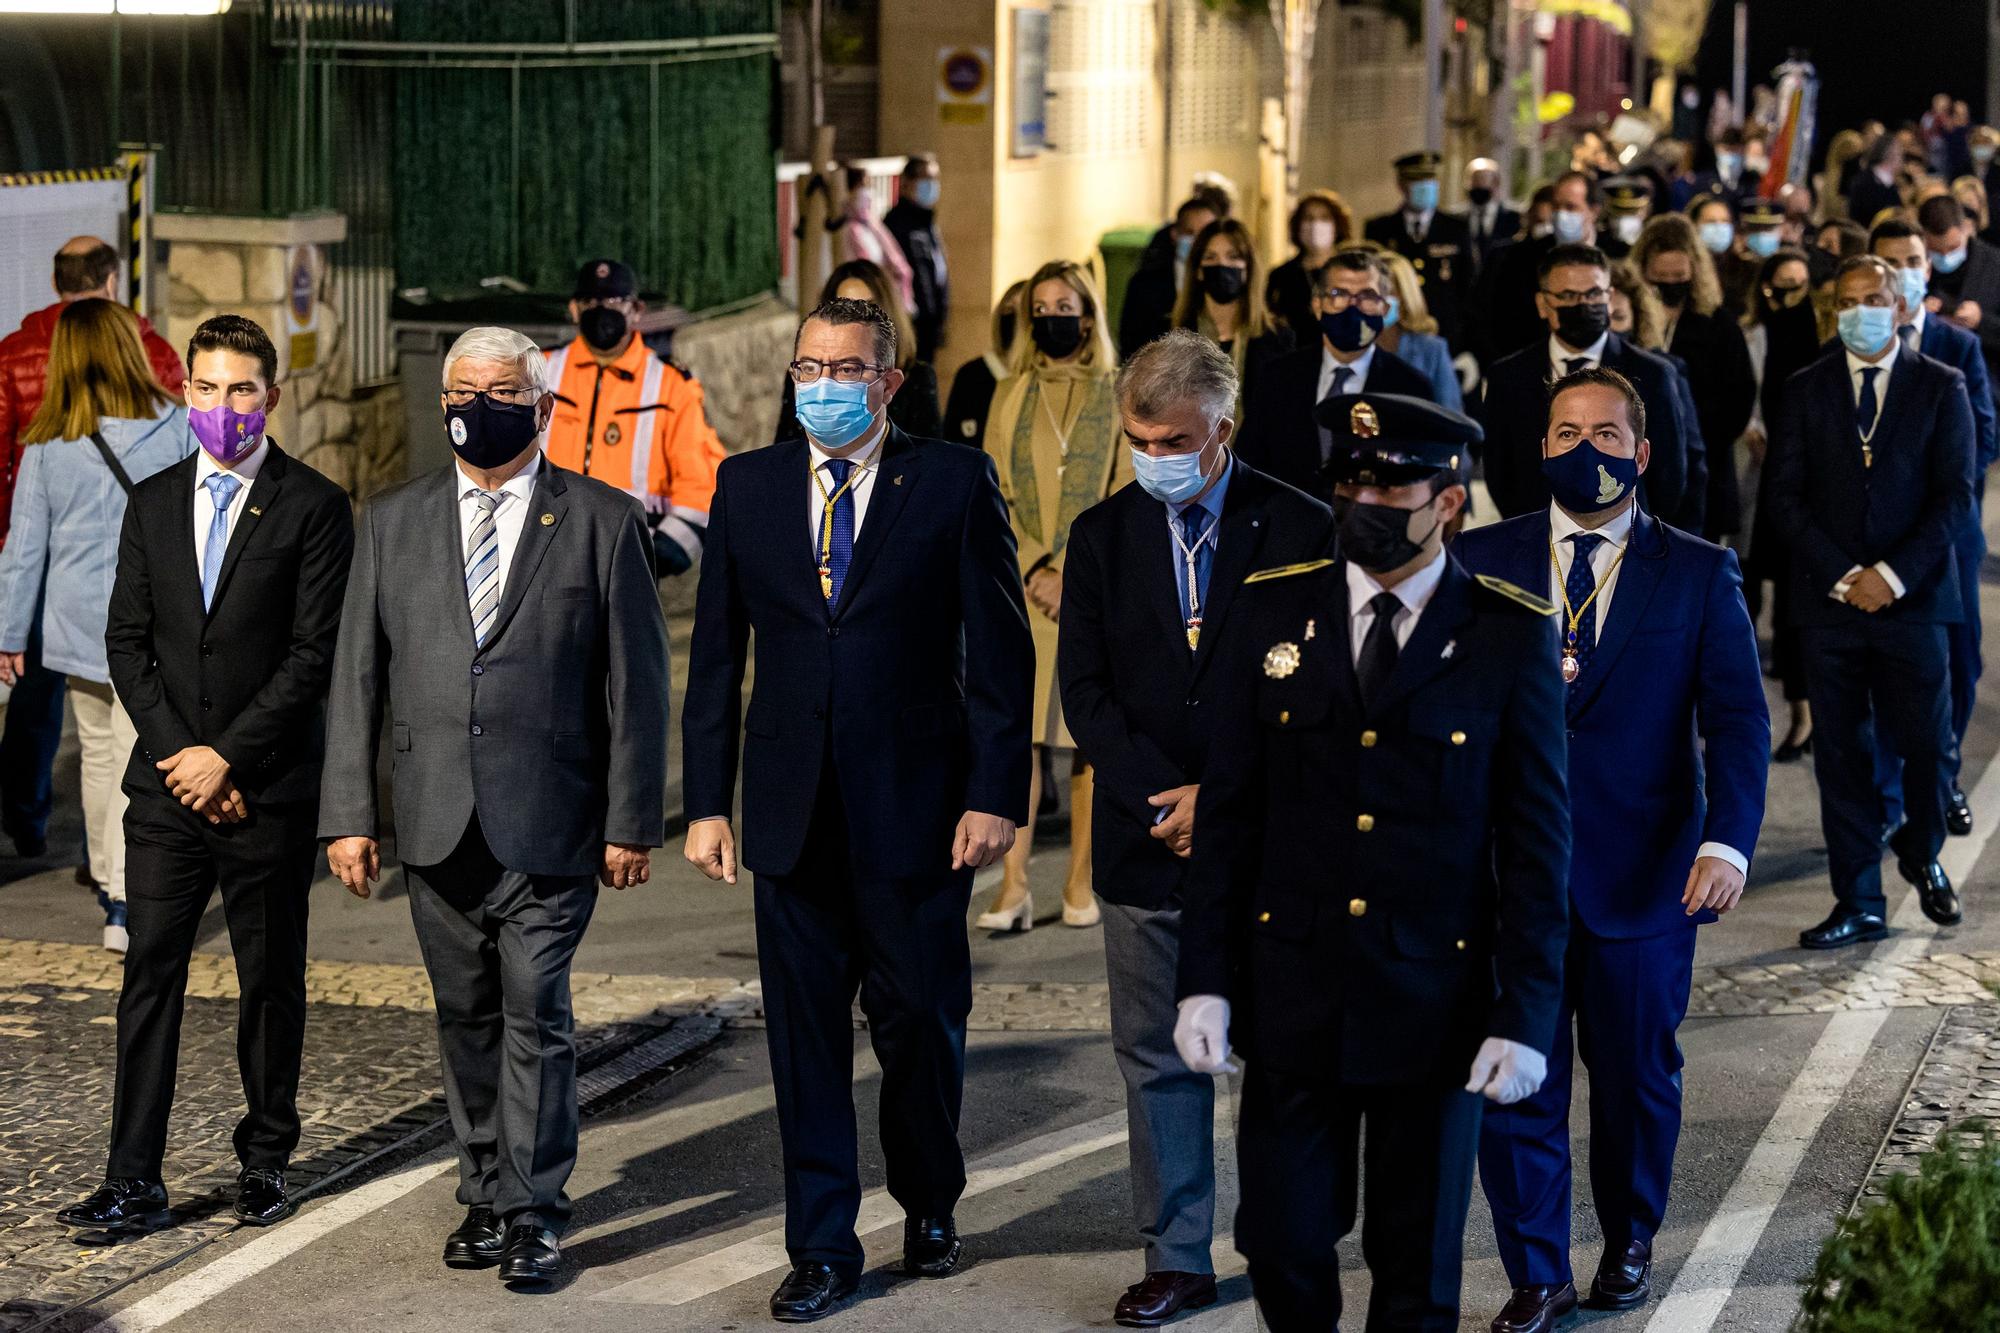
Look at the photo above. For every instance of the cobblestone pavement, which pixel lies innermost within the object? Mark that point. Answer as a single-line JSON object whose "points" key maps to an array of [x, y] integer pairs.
{"points": [[1958, 1082]]}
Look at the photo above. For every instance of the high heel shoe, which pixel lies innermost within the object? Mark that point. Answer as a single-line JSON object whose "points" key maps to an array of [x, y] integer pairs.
{"points": [[1016, 920], [1790, 751], [1082, 917]]}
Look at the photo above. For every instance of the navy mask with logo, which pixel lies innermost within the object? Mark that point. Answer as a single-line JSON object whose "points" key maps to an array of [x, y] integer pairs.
{"points": [[1586, 479]]}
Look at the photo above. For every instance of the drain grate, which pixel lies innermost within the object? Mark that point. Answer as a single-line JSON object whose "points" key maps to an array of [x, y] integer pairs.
{"points": [[644, 1063]]}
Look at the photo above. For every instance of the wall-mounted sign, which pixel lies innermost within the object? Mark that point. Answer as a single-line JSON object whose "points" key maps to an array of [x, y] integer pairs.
{"points": [[965, 84], [301, 306], [1031, 83]]}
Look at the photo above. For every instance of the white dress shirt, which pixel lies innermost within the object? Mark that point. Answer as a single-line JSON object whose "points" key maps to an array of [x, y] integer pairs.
{"points": [[1560, 356], [1481, 219], [1417, 225], [1414, 592], [517, 497], [245, 471], [865, 460], [1359, 365], [1855, 365]]}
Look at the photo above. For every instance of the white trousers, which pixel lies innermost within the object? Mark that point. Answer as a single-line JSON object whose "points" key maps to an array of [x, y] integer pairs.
{"points": [[106, 736]]}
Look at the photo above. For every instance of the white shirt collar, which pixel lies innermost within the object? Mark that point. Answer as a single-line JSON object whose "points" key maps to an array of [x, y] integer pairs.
{"points": [[1414, 592], [1560, 355], [1917, 322], [1421, 218], [1359, 365], [245, 469], [863, 458], [1855, 365], [521, 485], [1615, 533]]}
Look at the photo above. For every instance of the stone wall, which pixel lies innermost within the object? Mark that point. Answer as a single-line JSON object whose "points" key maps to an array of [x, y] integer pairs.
{"points": [[740, 360]]}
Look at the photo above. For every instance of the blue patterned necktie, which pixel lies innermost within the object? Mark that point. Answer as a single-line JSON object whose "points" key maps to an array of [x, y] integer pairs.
{"points": [[1582, 582], [222, 490], [482, 566], [841, 553]]}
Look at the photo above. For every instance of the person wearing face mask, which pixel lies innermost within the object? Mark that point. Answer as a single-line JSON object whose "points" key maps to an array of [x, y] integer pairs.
{"points": [[1054, 437], [1669, 748], [1409, 331], [1513, 313], [1575, 307], [1376, 908], [1870, 481], [885, 760], [503, 614], [1726, 174], [1489, 222], [1965, 274], [913, 222], [1141, 690], [1435, 242], [1717, 227], [1321, 223], [914, 409], [1154, 288], [629, 417], [973, 387], [1219, 301], [1708, 343], [1281, 431], [1628, 200], [219, 641]]}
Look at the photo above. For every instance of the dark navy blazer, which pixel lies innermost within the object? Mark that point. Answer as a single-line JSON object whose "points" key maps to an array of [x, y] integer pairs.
{"points": [[1944, 341], [1669, 735]]}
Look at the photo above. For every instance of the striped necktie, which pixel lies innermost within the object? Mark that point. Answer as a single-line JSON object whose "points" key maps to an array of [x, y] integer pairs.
{"points": [[482, 566]]}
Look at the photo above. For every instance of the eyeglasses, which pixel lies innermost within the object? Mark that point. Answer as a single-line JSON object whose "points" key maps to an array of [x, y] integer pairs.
{"points": [[504, 396], [1371, 301], [1595, 296], [805, 370]]}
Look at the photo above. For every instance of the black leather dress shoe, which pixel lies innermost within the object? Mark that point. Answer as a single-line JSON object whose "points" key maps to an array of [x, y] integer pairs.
{"points": [[1162, 1297], [261, 1198], [930, 1246], [1790, 752], [122, 1205], [1535, 1309], [1624, 1278], [1934, 892], [810, 1291], [477, 1242], [1957, 813], [530, 1256], [1843, 928]]}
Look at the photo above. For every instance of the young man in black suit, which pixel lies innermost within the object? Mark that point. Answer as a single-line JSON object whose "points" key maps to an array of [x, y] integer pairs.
{"points": [[231, 570], [885, 759], [1152, 573], [1280, 435]]}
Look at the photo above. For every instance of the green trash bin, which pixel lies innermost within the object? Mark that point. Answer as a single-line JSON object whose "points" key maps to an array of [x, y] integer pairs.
{"points": [[1121, 248]]}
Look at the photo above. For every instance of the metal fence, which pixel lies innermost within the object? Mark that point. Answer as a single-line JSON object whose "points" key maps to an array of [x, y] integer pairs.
{"points": [[883, 176]]}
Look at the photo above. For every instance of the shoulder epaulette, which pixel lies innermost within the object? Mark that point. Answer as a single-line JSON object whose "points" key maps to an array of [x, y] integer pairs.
{"points": [[1541, 606], [1286, 571], [677, 368]]}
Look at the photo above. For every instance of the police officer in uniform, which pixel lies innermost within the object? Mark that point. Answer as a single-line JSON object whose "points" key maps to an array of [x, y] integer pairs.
{"points": [[1628, 202], [1378, 894], [1436, 243]]}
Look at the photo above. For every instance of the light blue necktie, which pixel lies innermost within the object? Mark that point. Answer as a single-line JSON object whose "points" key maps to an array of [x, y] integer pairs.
{"points": [[482, 566], [222, 489]]}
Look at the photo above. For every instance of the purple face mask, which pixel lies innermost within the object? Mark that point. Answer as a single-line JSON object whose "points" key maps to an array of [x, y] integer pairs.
{"points": [[226, 433]]}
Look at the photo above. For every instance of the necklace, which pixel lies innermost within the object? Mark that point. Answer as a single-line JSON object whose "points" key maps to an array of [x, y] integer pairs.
{"points": [[1055, 424], [1571, 668], [826, 528]]}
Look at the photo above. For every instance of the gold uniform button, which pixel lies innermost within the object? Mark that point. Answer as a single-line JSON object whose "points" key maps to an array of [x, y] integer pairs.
{"points": [[1284, 716], [1266, 916], [1458, 738], [1461, 944], [1368, 739], [1364, 823], [1357, 907]]}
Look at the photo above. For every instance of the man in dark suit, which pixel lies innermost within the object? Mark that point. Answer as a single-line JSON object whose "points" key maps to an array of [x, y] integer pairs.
{"points": [[1510, 316], [886, 759], [1724, 174], [1281, 435], [1669, 746], [1378, 880], [1155, 285], [1874, 187], [1152, 574], [507, 609], [1575, 305], [1965, 274], [1490, 224], [231, 567], [1870, 481], [1435, 242]]}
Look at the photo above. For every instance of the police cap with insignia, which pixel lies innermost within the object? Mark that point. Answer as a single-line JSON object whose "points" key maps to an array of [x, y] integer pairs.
{"points": [[1628, 194], [605, 280], [1392, 439], [1418, 166], [1762, 213]]}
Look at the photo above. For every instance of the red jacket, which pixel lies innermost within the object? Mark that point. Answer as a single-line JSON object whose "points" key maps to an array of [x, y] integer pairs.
{"points": [[24, 367]]}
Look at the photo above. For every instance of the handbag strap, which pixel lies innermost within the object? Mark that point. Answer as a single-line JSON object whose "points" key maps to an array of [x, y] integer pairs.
{"points": [[111, 461]]}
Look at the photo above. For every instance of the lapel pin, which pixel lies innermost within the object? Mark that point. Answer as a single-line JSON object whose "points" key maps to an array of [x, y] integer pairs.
{"points": [[1312, 628], [257, 510], [548, 520], [1448, 648], [897, 480]]}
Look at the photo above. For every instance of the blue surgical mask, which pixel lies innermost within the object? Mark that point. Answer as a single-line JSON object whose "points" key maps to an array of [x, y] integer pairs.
{"points": [[1762, 244], [1172, 478], [1916, 283], [1948, 261], [927, 193], [1570, 224], [834, 414], [1393, 313], [1423, 195], [1729, 165], [1183, 247], [1716, 236], [1866, 329]]}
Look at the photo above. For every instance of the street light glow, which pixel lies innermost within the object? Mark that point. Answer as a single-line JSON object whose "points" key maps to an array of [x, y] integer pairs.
{"points": [[180, 8]]}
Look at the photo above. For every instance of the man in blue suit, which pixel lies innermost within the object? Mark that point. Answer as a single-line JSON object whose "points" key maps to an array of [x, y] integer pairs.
{"points": [[885, 759], [1669, 745], [1870, 484]]}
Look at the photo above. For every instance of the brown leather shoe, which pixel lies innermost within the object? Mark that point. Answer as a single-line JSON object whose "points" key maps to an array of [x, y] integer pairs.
{"points": [[1624, 1278], [1535, 1309], [1162, 1297]]}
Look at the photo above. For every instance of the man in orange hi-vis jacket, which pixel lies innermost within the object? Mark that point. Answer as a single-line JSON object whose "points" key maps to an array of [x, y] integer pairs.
{"points": [[632, 419]]}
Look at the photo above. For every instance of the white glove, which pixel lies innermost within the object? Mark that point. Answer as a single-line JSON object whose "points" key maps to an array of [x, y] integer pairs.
{"points": [[1506, 1071], [1201, 1034]]}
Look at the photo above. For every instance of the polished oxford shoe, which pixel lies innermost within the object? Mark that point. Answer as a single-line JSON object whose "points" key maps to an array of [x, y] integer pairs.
{"points": [[1842, 929], [121, 1205], [1624, 1278], [477, 1242], [530, 1256], [930, 1246], [261, 1198], [810, 1291], [1934, 892], [1957, 813], [1535, 1309], [1162, 1297]]}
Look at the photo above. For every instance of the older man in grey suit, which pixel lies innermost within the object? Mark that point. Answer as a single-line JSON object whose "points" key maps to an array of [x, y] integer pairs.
{"points": [[507, 609]]}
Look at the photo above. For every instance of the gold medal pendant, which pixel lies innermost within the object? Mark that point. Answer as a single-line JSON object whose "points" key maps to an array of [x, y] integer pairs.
{"points": [[826, 583], [1194, 633], [1571, 668]]}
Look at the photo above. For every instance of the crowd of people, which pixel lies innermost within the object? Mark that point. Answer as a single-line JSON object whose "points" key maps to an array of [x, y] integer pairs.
{"points": [[1409, 800]]}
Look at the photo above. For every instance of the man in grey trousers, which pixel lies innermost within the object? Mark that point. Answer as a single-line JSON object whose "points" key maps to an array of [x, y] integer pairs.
{"points": [[507, 610], [1143, 658]]}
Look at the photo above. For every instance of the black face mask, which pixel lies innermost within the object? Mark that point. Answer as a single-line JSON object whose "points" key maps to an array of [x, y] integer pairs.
{"points": [[602, 326], [1581, 325], [1223, 283], [1377, 537], [1480, 196], [1675, 294], [486, 433], [1057, 335]]}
